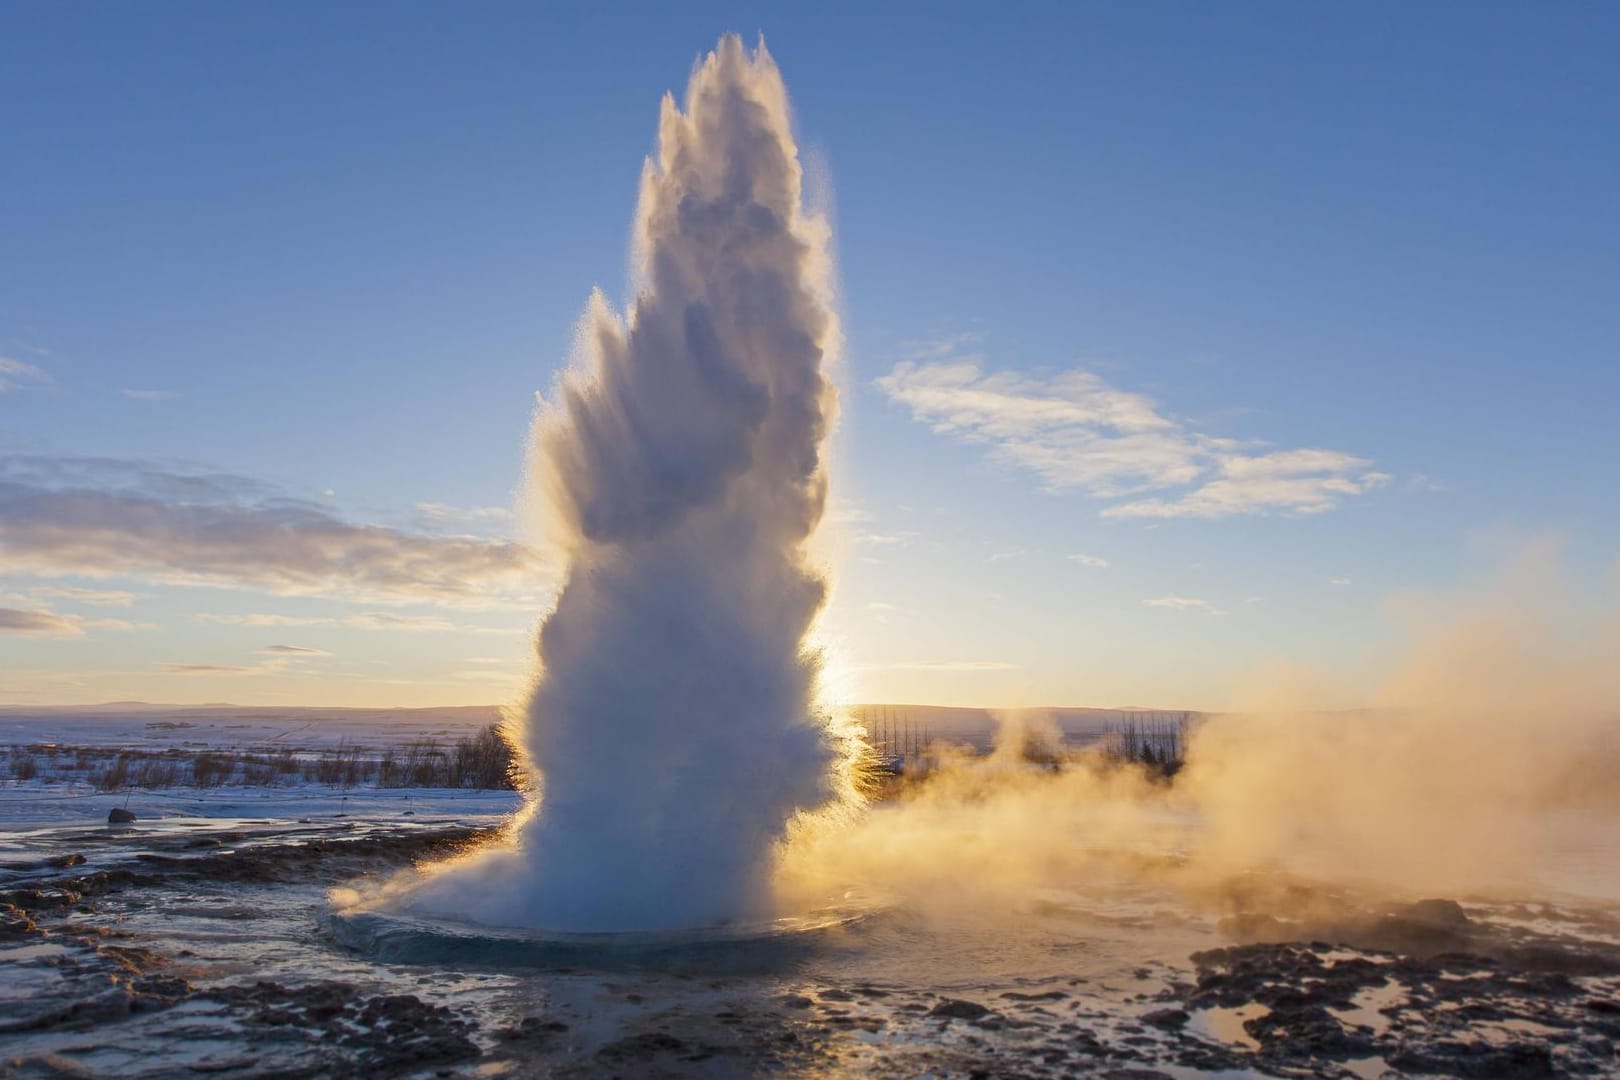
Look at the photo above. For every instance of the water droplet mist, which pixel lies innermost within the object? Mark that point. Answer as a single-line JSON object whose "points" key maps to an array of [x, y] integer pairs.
{"points": [[678, 470]]}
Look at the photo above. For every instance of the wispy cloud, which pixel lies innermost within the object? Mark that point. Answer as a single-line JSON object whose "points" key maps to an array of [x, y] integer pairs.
{"points": [[362, 620], [210, 669], [77, 595], [484, 675], [885, 539], [1420, 482], [37, 623], [44, 623], [1096, 562], [94, 518], [148, 395], [413, 624], [266, 619], [1287, 481], [277, 660], [952, 665], [1077, 432], [17, 375], [443, 514], [1184, 603], [1339, 581]]}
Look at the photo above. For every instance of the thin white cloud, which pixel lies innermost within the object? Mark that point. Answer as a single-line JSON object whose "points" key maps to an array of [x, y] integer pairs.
{"points": [[1007, 555], [1286, 481], [486, 676], [363, 620], [844, 512], [1096, 562], [42, 623], [148, 395], [261, 619], [886, 539], [1184, 603], [293, 650], [952, 665], [37, 623], [97, 518], [443, 514], [1076, 432], [17, 375], [211, 669], [77, 595], [1339, 581], [388, 620]]}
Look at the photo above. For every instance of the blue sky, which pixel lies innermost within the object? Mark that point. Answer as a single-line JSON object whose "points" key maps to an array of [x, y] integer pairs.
{"points": [[327, 254]]}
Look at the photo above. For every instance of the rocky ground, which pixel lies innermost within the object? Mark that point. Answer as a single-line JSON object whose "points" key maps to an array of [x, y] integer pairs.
{"points": [[210, 949]]}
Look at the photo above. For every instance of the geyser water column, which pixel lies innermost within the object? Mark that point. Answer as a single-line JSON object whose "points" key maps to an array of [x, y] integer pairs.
{"points": [[679, 469]]}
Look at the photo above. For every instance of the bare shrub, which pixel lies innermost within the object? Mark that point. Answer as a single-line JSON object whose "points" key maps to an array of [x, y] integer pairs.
{"points": [[345, 766], [1156, 741], [157, 773], [212, 768], [116, 775], [482, 760], [258, 771], [425, 764]]}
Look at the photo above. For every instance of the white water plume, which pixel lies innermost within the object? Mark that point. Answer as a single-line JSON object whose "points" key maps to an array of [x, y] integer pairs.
{"points": [[674, 725]]}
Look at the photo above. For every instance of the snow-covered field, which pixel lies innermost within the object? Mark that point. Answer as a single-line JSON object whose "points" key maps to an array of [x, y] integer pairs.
{"points": [[155, 727], [39, 803]]}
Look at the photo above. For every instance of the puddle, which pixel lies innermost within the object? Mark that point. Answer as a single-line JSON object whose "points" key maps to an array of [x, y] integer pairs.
{"points": [[1366, 1008], [1226, 1024], [1369, 1068]]}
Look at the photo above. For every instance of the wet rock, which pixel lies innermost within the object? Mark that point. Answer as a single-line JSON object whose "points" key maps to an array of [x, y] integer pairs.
{"points": [[1477, 1060], [384, 1034], [331, 859], [533, 1029], [1167, 1019], [958, 1009], [54, 1066], [15, 923], [1306, 1030], [648, 1044], [1441, 913]]}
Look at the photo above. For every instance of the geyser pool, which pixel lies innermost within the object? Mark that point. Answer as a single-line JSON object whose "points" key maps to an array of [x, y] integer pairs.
{"points": [[674, 727]]}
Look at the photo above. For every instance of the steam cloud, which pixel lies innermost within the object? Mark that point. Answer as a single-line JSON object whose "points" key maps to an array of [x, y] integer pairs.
{"points": [[679, 470], [1486, 760]]}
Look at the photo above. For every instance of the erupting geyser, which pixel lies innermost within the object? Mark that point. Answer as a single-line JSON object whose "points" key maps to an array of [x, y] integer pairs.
{"points": [[674, 723]]}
